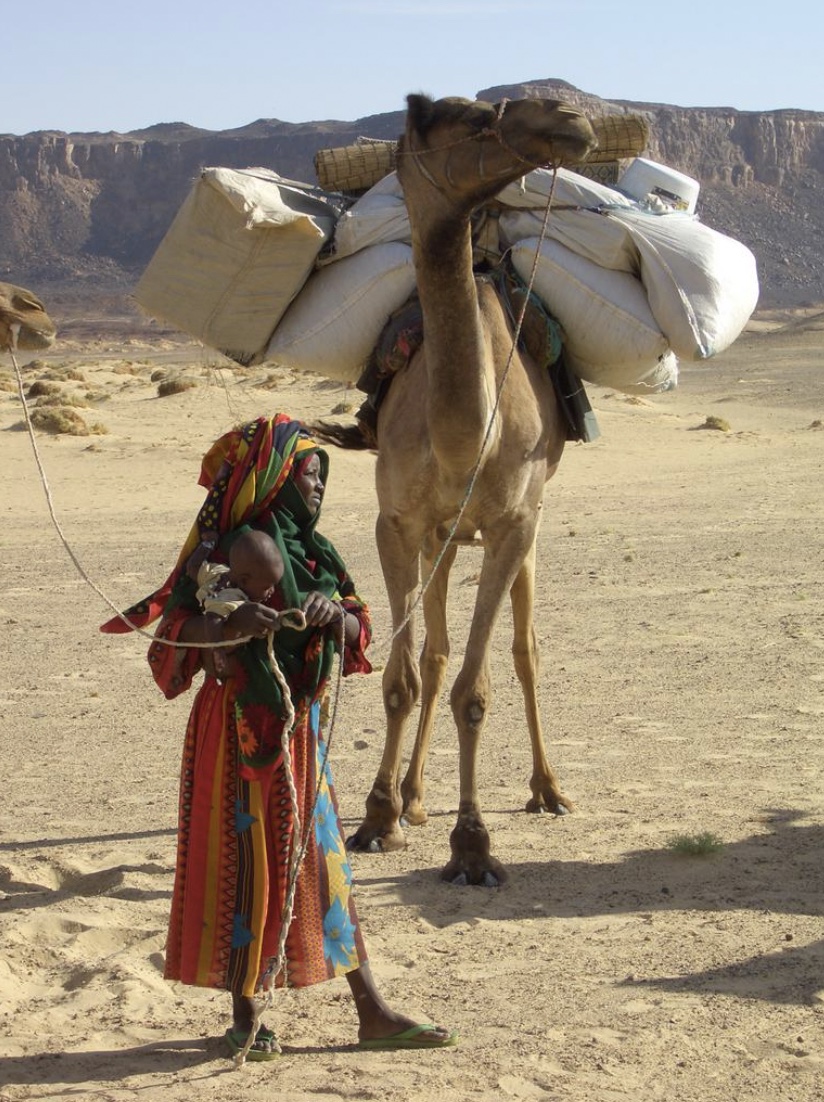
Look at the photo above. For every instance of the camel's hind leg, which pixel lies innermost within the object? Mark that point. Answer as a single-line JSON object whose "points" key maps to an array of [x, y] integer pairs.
{"points": [[546, 793], [434, 658], [381, 827]]}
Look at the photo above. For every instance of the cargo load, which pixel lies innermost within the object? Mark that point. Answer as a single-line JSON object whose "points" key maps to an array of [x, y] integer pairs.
{"points": [[237, 253], [334, 324]]}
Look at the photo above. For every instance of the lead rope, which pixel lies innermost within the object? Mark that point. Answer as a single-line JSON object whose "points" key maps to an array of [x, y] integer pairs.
{"points": [[278, 963], [293, 618], [490, 424]]}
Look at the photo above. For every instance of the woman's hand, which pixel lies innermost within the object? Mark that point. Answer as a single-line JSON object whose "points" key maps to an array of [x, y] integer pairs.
{"points": [[250, 618], [321, 612]]}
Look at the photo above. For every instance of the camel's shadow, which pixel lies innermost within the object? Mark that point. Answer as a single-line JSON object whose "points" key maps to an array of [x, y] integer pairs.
{"points": [[777, 871], [111, 1065]]}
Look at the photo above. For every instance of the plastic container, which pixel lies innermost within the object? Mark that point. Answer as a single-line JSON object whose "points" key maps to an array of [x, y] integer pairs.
{"points": [[659, 186]]}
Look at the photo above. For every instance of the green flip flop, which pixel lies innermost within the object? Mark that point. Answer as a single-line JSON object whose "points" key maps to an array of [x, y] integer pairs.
{"points": [[269, 1050], [417, 1036]]}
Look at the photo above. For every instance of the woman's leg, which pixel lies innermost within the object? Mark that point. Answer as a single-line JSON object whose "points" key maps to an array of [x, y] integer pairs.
{"points": [[243, 1017], [380, 1023]]}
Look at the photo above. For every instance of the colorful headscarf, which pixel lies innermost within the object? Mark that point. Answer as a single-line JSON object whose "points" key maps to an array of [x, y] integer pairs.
{"points": [[243, 473], [249, 477]]}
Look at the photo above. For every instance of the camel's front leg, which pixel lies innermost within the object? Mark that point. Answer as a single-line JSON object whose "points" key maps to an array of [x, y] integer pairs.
{"points": [[434, 658], [505, 549], [381, 827], [546, 793]]}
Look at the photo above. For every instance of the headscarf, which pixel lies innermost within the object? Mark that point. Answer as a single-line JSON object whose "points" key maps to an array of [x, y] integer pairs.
{"points": [[249, 477], [242, 472]]}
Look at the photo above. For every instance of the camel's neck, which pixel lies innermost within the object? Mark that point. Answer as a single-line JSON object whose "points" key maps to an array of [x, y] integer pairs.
{"points": [[460, 378]]}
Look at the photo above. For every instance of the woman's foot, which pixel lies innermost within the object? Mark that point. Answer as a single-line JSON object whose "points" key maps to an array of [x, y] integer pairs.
{"points": [[381, 1027], [265, 1045]]}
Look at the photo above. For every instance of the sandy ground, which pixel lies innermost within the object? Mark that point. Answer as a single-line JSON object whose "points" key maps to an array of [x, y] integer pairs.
{"points": [[681, 616]]}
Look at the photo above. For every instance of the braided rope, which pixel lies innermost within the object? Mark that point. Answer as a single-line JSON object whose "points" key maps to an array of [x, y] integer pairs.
{"points": [[490, 424]]}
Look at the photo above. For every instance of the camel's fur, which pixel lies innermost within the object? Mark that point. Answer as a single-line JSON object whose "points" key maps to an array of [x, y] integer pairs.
{"points": [[24, 322], [454, 156]]}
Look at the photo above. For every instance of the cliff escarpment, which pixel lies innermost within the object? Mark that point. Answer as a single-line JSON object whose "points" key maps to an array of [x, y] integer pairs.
{"points": [[91, 208]]}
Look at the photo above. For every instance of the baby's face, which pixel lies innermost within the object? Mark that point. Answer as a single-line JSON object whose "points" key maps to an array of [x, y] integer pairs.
{"points": [[257, 575]]}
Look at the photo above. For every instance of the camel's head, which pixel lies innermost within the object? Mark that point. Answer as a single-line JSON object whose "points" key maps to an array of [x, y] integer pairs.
{"points": [[471, 149], [24, 322]]}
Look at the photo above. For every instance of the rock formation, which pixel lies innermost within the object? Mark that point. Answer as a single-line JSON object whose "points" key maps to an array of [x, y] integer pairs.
{"points": [[91, 208]]}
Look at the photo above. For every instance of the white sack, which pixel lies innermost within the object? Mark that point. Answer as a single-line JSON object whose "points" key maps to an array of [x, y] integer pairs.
{"points": [[702, 286], [609, 330], [532, 191], [379, 216], [334, 324], [590, 234], [238, 251], [662, 375]]}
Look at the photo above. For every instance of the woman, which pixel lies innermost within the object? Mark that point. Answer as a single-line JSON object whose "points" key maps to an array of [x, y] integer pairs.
{"points": [[236, 829]]}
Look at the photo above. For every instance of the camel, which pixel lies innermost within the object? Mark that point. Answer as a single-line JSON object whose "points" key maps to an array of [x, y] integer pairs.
{"points": [[24, 322], [455, 155]]}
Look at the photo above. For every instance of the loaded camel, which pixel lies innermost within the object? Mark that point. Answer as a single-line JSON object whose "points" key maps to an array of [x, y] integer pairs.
{"points": [[432, 430], [24, 322]]}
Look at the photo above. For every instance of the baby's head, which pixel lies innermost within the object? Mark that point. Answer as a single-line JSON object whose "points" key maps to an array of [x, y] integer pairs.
{"points": [[255, 564]]}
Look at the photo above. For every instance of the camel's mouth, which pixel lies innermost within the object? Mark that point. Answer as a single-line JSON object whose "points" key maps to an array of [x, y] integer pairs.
{"points": [[31, 340]]}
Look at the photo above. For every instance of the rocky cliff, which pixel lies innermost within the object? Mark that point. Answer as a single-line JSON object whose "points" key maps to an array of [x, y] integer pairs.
{"points": [[89, 209]]}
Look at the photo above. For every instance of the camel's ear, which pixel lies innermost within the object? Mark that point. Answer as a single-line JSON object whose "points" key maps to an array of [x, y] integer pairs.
{"points": [[420, 111]]}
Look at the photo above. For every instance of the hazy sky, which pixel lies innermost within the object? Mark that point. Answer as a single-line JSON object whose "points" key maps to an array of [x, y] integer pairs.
{"points": [[103, 65]]}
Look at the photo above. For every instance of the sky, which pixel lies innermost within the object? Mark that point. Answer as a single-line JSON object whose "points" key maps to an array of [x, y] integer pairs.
{"points": [[100, 65]]}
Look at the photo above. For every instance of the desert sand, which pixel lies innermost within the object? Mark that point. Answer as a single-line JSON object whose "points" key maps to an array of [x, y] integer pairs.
{"points": [[680, 612]]}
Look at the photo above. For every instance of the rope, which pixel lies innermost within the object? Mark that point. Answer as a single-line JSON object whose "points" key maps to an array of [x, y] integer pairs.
{"points": [[278, 963], [292, 618], [490, 424]]}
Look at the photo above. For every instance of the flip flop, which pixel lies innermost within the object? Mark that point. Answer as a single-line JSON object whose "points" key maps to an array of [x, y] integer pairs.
{"points": [[236, 1039], [414, 1037]]}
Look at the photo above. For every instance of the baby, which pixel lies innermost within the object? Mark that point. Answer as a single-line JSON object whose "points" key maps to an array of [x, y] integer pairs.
{"points": [[255, 565], [254, 572]]}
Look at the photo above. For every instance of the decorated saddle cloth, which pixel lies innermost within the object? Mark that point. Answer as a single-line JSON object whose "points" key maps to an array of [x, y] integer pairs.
{"points": [[539, 335]]}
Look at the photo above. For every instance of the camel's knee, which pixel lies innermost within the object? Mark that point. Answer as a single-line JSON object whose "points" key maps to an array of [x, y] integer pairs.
{"points": [[401, 694], [526, 660], [470, 708]]}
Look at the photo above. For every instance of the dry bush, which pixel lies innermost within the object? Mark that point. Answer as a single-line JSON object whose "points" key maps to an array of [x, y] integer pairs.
{"points": [[127, 368], [7, 385], [716, 423], [61, 420], [60, 399], [41, 388], [175, 386], [158, 375]]}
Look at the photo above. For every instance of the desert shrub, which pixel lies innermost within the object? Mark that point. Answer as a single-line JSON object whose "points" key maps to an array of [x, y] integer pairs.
{"points": [[62, 420], [717, 423], [175, 386], [61, 399], [40, 388], [695, 845]]}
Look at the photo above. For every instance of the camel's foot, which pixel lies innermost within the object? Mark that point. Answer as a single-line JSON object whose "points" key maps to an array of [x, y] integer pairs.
{"points": [[374, 838], [414, 814], [547, 798], [471, 861]]}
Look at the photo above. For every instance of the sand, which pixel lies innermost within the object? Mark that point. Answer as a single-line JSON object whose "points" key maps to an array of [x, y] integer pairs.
{"points": [[681, 618]]}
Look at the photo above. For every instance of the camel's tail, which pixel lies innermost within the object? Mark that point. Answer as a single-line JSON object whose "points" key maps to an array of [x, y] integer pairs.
{"points": [[349, 437]]}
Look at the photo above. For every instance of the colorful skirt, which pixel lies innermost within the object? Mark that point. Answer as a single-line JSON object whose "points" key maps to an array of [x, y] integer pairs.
{"points": [[235, 839]]}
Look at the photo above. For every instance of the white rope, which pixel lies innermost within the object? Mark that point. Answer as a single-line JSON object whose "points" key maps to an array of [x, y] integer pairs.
{"points": [[292, 618], [278, 962], [490, 424]]}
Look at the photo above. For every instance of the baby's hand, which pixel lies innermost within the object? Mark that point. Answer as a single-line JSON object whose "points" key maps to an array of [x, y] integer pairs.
{"points": [[250, 618]]}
